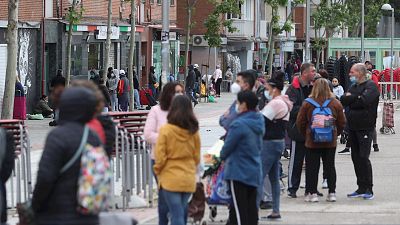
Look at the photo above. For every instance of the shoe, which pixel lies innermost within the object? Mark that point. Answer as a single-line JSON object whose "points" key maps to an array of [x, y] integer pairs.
{"points": [[311, 198], [320, 194], [53, 123], [376, 148], [303, 185], [331, 197], [265, 205], [368, 196], [345, 151], [355, 195], [274, 217], [325, 184], [292, 195], [195, 103], [286, 154]]}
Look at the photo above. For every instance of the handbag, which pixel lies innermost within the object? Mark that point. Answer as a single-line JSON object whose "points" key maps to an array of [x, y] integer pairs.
{"points": [[221, 192]]}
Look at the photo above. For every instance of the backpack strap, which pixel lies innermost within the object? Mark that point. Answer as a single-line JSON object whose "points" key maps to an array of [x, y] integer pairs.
{"points": [[78, 152], [313, 102], [326, 103]]}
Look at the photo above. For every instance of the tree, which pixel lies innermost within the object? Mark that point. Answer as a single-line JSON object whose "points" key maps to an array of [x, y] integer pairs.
{"points": [[132, 54], [190, 4], [73, 17], [12, 50], [108, 40], [215, 24]]}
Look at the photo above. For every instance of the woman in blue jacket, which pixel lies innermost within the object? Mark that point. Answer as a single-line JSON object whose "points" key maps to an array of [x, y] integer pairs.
{"points": [[241, 153]]}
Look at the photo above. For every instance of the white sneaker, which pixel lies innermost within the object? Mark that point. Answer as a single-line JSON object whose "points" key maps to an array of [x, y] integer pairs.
{"points": [[331, 197], [311, 198], [303, 185], [325, 184]]}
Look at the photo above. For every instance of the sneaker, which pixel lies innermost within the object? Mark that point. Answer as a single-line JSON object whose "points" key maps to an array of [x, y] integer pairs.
{"points": [[303, 185], [325, 184], [311, 198], [292, 195], [376, 148], [319, 194], [368, 196], [355, 195], [265, 205], [286, 154], [331, 197], [274, 217], [345, 151]]}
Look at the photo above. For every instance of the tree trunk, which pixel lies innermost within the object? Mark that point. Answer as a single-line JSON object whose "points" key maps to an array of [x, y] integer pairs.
{"points": [[12, 51], [271, 56], [71, 27], [189, 8], [132, 55], [108, 40]]}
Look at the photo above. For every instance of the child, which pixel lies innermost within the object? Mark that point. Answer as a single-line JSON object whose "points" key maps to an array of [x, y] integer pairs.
{"points": [[337, 88], [241, 153]]}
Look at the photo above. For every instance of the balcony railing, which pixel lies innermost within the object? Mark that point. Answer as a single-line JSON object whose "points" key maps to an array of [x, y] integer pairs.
{"points": [[264, 28], [245, 28]]}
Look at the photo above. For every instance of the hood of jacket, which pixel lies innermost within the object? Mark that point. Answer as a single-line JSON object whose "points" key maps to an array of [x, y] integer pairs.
{"points": [[179, 133], [77, 104], [254, 120], [286, 99]]}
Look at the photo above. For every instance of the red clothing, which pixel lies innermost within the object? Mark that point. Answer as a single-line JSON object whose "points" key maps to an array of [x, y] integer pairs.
{"points": [[96, 127]]}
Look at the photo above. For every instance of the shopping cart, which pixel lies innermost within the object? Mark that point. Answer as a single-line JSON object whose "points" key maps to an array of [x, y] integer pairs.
{"points": [[388, 119]]}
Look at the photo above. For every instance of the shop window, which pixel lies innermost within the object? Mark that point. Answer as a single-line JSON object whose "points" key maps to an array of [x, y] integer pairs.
{"points": [[94, 56], [76, 60]]}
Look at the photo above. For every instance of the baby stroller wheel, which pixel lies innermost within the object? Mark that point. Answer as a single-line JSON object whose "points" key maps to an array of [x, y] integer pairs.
{"points": [[382, 130], [213, 213]]}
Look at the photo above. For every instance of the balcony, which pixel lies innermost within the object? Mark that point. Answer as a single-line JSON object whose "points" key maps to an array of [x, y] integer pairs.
{"points": [[245, 28]]}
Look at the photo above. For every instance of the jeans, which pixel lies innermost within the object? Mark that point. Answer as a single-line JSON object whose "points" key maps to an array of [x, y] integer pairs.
{"points": [[270, 157], [137, 99], [114, 101], [177, 203], [162, 206], [360, 150], [189, 93], [313, 160]]}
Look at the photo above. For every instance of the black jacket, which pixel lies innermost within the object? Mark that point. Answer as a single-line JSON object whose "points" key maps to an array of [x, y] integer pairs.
{"points": [[135, 83], [198, 75], [55, 196], [190, 79], [362, 106], [7, 164]]}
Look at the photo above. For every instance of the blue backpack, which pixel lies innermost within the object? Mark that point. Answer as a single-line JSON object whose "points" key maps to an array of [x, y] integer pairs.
{"points": [[322, 122]]}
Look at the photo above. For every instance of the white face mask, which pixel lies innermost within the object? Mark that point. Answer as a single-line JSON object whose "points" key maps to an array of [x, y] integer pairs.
{"points": [[267, 95], [235, 88], [237, 108]]}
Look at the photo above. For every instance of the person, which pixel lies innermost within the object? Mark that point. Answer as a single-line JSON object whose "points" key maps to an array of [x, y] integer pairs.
{"points": [[337, 88], [276, 116], [289, 70], [229, 77], [136, 91], [245, 81], [57, 88], [362, 100], [324, 74], [217, 76], [7, 153], [197, 83], [241, 153], [177, 157], [298, 91], [123, 91], [43, 108], [369, 66], [153, 81], [54, 199], [157, 118], [375, 79], [321, 95], [106, 95], [189, 84], [112, 84]]}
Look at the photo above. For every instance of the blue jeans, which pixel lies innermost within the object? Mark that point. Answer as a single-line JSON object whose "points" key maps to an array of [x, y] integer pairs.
{"points": [[162, 206], [137, 99], [270, 157], [177, 203]]}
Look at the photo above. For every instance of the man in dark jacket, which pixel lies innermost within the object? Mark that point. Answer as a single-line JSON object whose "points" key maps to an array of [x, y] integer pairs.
{"points": [[198, 79], [189, 84], [362, 99], [299, 90], [123, 91]]}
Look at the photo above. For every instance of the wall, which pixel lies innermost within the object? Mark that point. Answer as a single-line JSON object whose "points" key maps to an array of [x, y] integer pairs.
{"points": [[29, 10], [299, 20], [156, 12], [202, 10]]}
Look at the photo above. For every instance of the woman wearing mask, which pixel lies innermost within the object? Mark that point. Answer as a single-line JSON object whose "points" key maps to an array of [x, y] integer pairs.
{"points": [[337, 88], [54, 199], [321, 95], [177, 157], [157, 118], [276, 116]]}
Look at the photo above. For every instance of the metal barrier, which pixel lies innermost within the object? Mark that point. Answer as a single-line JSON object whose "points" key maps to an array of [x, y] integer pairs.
{"points": [[389, 91], [132, 158], [22, 168]]}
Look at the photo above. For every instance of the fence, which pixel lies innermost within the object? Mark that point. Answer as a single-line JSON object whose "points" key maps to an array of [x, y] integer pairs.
{"points": [[389, 91]]}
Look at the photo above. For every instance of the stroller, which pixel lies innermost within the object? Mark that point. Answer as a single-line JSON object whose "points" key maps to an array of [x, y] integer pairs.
{"points": [[387, 119], [146, 98]]}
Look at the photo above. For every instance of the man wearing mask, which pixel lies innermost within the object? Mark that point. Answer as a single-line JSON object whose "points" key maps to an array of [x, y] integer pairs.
{"points": [[298, 91], [362, 100]]}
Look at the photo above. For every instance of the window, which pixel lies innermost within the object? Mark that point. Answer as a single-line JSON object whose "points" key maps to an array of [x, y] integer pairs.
{"points": [[236, 16], [172, 2], [159, 2], [151, 1]]}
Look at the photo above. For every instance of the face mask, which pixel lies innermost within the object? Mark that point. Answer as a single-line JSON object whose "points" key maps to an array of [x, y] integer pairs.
{"points": [[237, 108], [235, 88], [353, 80], [267, 95]]}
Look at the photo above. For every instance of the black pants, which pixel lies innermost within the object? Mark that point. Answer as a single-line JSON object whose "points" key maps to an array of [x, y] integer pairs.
{"points": [[218, 86], [297, 155], [360, 151], [313, 159], [244, 210], [189, 93]]}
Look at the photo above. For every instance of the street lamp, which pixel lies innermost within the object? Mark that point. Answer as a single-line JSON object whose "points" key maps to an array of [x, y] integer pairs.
{"points": [[388, 7]]}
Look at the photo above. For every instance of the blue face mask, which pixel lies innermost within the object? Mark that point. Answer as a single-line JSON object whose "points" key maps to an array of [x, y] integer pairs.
{"points": [[267, 95], [353, 80]]}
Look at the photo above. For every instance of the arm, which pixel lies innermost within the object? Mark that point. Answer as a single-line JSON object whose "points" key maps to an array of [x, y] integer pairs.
{"points": [[150, 128], [231, 140], [196, 155], [161, 152], [291, 93], [44, 107], [340, 120], [341, 91], [302, 119], [226, 119]]}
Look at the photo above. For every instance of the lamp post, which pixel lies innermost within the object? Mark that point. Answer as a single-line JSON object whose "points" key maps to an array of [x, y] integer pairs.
{"points": [[388, 7], [362, 30]]}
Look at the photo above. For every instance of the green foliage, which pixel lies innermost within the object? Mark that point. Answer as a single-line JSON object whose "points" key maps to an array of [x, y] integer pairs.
{"points": [[75, 14], [275, 4], [214, 22]]}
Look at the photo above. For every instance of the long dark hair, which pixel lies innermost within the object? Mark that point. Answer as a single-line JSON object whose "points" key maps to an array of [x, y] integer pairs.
{"points": [[181, 114], [167, 93]]}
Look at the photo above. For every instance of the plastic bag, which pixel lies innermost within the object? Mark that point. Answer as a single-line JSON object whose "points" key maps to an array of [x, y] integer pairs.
{"points": [[221, 192]]}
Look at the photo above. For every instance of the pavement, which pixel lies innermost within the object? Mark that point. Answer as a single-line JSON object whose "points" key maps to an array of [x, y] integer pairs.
{"points": [[384, 209]]}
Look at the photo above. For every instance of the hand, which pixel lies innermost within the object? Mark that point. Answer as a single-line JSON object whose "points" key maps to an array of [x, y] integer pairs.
{"points": [[348, 93], [226, 113]]}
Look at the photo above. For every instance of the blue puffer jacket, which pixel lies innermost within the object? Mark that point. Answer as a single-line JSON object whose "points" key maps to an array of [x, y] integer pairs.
{"points": [[241, 151]]}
